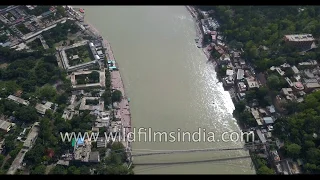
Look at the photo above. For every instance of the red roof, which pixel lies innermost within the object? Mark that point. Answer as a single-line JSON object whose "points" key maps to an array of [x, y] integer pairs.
{"points": [[50, 153], [299, 85]]}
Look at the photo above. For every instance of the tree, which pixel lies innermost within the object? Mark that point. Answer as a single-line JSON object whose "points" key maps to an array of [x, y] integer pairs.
{"points": [[47, 92], [293, 150], [265, 170], [313, 155], [1, 159], [61, 11], [273, 82], [289, 72], [84, 170], [34, 156], [9, 143], [58, 170], [73, 170], [310, 168], [62, 99], [240, 106], [94, 76], [27, 114], [116, 96], [40, 169]]}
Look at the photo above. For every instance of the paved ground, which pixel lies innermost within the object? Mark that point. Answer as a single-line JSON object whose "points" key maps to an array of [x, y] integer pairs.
{"points": [[116, 83], [19, 158], [16, 162]]}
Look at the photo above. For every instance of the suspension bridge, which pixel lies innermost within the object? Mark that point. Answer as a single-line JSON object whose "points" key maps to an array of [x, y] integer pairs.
{"points": [[191, 162], [160, 152], [188, 151]]}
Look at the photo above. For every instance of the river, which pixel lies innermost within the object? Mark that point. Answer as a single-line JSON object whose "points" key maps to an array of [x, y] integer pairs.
{"points": [[171, 85]]}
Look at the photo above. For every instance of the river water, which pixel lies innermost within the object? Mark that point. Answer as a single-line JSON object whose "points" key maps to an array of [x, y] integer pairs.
{"points": [[172, 87]]}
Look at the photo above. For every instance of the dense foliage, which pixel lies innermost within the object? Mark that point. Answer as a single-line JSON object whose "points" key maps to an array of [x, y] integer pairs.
{"points": [[301, 131], [251, 27]]}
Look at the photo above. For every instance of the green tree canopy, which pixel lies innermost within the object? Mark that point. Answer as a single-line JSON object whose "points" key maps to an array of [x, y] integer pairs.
{"points": [[116, 96]]}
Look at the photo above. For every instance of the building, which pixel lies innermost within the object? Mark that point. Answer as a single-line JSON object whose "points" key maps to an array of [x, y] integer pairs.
{"points": [[312, 80], [242, 87], [312, 86], [1, 146], [309, 63], [252, 83], [288, 93], [100, 53], [271, 109], [295, 70], [103, 120], [82, 150], [300, 40], [45, 14], [18, 100], [42, 108], [261, 136], [275, 155], [298, 86], [5, 126], [102, 142], [240, 74], [228, 81], [289, 81], [63, 163], [268, 120], [116, 127], [94, 157], [229, 72], [219, 50], [224, 60], [256, 115], [75, 57]]}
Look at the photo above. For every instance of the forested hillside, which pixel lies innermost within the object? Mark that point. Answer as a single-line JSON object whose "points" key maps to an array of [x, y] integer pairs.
{"points": [[252, 27]]}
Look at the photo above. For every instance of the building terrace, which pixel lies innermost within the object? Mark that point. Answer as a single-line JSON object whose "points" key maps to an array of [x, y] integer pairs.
{"points": [[93, 51], [84, 104], [101, 82]]}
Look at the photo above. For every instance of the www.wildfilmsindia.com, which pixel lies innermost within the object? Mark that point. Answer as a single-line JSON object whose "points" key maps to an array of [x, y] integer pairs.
{"points": [[70, 136]]}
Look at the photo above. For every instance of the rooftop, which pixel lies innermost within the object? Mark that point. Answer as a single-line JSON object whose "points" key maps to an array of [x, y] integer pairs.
{"points": [[313, 80], [5, 125], [286, 91], [298, 85], [18, 100], [295, 69], [271, 109], [94, 157], [229, 72], [299, 37], [268, 120], [252, 83], [312, 85], [240, 74]]}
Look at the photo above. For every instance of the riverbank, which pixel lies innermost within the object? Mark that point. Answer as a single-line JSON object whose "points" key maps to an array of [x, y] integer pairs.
{"points": [[123, 110], [207, 51]]}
